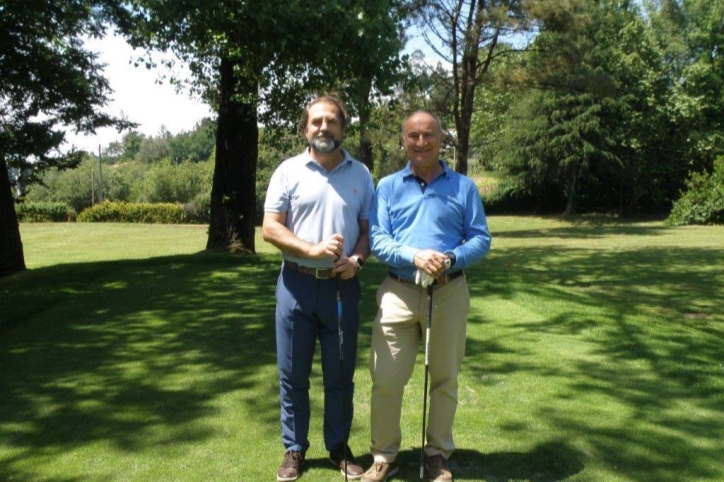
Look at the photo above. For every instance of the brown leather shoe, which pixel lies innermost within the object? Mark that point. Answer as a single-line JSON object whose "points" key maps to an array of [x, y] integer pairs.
{"points": [[380, 472], [291, 466], [338, 456], [438, 469]]}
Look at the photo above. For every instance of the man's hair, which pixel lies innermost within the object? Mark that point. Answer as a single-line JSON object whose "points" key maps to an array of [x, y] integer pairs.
{"points": [[325, 99], [437, 120]]}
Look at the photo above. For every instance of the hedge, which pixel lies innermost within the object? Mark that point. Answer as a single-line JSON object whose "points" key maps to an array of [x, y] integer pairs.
{"points": [[123, 212], [703, 201], [44, 212]]}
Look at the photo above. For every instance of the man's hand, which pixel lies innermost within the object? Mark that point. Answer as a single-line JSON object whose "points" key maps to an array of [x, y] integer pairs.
{"points": [[328, 248], [346, 267], [431, 262]]}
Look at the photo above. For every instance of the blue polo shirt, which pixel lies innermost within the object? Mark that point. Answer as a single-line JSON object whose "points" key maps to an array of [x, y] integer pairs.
{"points": [[447, 216], [320, 204]]}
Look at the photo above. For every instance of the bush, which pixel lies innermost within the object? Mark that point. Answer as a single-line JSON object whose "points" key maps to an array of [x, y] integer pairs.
{"points": [[121, 212], [703, 201], [44, 212]]}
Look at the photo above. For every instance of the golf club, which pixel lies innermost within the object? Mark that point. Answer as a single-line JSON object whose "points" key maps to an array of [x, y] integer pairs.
{"points": [[341, 367], [424, 398]]}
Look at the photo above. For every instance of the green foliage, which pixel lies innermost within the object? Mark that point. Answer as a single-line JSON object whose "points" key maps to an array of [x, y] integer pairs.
{"points": [[122, 212], [48, 83], [166, 182], [597, 126], [48, 80], [134, 182], [195, 145], [153, 149], [77, 187], [44, 212], [691, 37], [703, 200]]}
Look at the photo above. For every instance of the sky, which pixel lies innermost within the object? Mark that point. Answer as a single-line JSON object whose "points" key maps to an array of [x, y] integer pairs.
{"points": [[138, 97]]}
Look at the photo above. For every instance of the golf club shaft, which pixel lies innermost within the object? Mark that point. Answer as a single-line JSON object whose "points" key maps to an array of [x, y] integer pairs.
{"points": [[341, 368], [424, 397]]}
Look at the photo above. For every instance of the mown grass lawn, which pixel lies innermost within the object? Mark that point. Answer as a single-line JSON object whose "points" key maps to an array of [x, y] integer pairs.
{"points": [[595, 353]]}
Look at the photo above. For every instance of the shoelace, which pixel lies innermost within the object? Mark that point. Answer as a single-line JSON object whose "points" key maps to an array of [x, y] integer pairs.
{"points": [[379, 467], [291, 458]]}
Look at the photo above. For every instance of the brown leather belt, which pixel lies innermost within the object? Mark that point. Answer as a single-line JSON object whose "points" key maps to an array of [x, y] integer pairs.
{"points": [[319, 273], [438, 281]]}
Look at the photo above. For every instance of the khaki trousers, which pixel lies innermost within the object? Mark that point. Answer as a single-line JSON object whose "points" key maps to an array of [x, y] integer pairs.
{"points": [[397, 332]]}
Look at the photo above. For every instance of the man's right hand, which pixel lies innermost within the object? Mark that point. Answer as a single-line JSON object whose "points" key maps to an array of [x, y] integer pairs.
{"points": [[431, 262], [328, 248]]}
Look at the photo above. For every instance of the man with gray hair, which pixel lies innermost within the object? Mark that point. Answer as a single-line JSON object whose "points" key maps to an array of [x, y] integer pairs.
{"points": [[427, 223], [316, 213]]}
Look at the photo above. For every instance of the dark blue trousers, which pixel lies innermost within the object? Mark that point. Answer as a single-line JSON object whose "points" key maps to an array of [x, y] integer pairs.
{"points": [[307, 311]]}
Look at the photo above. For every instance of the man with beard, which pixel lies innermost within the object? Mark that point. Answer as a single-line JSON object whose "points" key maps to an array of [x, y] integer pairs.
{"points": [[316, 213]]}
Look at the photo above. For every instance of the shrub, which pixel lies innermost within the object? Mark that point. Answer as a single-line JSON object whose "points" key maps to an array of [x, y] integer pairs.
{"points": [[122, 212], [703, 201], [44, 212]]}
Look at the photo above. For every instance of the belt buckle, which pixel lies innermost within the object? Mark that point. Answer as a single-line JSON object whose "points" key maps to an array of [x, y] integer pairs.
{"points": [[321, 273]]}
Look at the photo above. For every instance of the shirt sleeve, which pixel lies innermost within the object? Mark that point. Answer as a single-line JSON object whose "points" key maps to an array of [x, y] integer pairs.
{"points": [[364, 213], [477, 235], [382, 242], [277, 198]]}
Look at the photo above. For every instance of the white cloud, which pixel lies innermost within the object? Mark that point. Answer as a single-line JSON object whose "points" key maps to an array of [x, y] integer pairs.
{"points": [[138, 97]]}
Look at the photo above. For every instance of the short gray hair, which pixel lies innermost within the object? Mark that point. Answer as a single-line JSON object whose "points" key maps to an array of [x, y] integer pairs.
{"points": [[422, 111]]}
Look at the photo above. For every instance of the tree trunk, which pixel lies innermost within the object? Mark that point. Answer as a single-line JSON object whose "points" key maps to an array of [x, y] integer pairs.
{"points": [[572, 194], [11, 247], [363, 109], [233, 194]]}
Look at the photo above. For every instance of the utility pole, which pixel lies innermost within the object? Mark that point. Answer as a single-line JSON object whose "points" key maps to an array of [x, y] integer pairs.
{"points": [[100, 176]]}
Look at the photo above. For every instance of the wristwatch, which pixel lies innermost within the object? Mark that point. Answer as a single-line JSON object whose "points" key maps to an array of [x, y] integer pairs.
{"points": [[359, 261], [451, 256]]}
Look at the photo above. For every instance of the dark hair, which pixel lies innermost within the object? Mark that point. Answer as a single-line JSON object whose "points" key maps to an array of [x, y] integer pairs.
{"points": [[325, 99]]}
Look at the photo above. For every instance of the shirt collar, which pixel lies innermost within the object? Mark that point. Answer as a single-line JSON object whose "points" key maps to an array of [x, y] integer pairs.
{"points": [[346, 160], [407, 171]]}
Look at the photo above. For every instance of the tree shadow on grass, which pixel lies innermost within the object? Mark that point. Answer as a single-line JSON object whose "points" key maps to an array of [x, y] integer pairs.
{"points": [[651, 319], [134, 353]]}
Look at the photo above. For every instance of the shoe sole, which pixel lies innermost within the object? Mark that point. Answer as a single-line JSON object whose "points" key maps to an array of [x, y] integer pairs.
{"points": [[287, 479]]}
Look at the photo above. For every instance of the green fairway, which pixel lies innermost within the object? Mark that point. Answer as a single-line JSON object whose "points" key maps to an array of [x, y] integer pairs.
{"points": [[595, 353]]}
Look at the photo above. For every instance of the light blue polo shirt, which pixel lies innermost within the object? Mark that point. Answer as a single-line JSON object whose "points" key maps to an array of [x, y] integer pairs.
{"points": [[447, 216], [320, 204]]}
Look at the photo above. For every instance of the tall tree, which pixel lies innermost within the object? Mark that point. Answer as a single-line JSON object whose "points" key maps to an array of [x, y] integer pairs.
{"points": [[466, 34], [48, 81], [368, 65], [471, 36], [256, 62], [600, 122], [691, 35]]}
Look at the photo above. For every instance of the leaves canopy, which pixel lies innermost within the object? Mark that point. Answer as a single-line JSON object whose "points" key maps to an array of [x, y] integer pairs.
{"points": [[48, 82]]}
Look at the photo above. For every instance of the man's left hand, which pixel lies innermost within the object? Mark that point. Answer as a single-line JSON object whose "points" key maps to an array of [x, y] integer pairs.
{"points": [[346, 267]]}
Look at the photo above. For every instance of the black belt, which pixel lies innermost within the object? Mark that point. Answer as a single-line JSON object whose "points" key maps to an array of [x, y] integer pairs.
{"points": [[319, 273], [438, 281]]}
